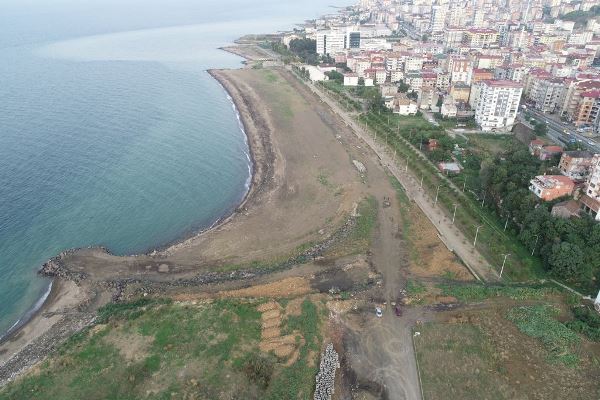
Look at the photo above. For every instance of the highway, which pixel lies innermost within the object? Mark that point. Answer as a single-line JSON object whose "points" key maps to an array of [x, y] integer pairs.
{"points": [[558, 130]]}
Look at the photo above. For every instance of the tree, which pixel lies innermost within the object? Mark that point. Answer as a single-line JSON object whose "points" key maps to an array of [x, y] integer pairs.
{"points": [[566, 261], [540, 129], [403, 87], [335, 76]]}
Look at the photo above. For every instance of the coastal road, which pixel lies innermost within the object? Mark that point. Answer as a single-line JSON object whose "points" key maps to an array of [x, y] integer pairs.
{"points": [[449, 234]]}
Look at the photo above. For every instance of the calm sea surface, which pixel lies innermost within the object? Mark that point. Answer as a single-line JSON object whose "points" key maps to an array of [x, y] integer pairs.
{"points": [[111, 131]]}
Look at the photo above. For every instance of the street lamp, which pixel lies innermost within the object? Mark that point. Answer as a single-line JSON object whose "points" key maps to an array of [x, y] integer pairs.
{"points": [[406, 164], [503, 262], [454, 214], [506, 223], [437, 193], [535, 244], [476, 233]]}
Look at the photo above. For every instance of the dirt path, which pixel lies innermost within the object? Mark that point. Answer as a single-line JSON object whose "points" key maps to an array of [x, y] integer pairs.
{"points": [[449, 234]]}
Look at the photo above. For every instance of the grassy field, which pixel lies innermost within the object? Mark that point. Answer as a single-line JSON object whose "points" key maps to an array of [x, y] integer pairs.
{"points": [[165, 350], [505, 352]]}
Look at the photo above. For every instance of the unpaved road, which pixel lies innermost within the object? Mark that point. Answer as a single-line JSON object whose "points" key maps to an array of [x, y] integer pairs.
{"points": [[451, 236]]}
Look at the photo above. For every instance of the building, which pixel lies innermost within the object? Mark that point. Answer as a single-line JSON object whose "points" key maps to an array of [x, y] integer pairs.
{"points": [[400, 104], [587, 109], [448, 109], [498, 104], [576, 165], [480, 38], [438, 18], [535, 146], [330, 42], [548, 94], [566, 209], [593, 183], [350, 79], [550, 187], [547, 152]]}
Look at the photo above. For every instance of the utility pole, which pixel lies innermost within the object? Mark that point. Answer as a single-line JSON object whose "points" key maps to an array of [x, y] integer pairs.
{"points": [[454, 214], [506, 224], [437, 193], [503, 262], [406, 164], [535, 244], [464, 185], [476, 233], [422, 177]]}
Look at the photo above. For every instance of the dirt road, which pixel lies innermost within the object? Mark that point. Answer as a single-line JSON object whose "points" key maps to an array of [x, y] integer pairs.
{"points": [[449, 234]]}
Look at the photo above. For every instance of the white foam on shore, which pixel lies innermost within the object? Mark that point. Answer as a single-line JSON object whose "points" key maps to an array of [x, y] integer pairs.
{"points": [[29, 314]]}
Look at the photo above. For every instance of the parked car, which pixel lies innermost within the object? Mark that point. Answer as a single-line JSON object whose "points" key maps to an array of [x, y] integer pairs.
{"points": [[378, 312]]}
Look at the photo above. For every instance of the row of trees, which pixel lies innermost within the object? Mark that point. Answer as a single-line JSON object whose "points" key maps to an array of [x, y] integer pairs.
{"points": [[569, 248]]}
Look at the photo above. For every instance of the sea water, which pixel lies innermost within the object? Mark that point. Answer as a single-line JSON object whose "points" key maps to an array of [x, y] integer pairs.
{"points": [[111, 131]]}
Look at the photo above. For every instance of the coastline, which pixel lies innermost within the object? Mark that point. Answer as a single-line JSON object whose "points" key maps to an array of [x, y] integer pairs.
{"points": [[47, 315]]}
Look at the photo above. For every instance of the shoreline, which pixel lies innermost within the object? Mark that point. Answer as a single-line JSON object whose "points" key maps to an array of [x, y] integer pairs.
{"points": [[255, 178]]}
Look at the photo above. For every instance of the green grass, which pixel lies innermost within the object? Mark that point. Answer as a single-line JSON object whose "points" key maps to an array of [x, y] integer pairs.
{"points": [[414, 288], [207, 351], [539, 322], [92, 366], [481, 292]]}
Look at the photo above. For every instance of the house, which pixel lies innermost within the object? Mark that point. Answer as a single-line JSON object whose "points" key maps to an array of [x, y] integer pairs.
{"points": [[449, 167], [547, 152], [401, 104], [550, 187], [590, 206], [449, 108], [350, 79], [576, 165], [566, 209]]}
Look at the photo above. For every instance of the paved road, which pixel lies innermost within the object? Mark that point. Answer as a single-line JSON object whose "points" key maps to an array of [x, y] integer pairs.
{"points": [[449, 234], [558, 130]]}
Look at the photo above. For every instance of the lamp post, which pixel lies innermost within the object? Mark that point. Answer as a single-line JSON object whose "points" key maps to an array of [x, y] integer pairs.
{"points": [[503, 262], [422, 177], [437, 193], [476, 233], [535, 244], [406, 164], [506, 223], [454, 214]]}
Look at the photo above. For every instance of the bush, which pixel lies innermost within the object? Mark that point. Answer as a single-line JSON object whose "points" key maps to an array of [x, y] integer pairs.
{"points": [[587, 322], [259, 369]]}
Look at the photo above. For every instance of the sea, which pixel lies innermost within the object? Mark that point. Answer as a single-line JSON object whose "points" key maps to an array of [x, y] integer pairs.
{"points": [[112, 133]]}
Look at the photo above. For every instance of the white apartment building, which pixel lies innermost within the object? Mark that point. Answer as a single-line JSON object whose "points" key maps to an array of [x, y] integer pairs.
{"points": [[590, 201], [498, 104], [330, 42]]}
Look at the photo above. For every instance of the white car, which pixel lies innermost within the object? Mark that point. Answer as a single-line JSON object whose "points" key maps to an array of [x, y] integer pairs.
{"points": [[378, 312]]}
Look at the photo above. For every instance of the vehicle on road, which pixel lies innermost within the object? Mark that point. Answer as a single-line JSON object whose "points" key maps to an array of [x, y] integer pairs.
{"points": [[398, 309], [378, 312]]}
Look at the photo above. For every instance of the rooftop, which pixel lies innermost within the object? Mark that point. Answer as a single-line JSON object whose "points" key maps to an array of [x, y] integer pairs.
{"points": [[552, 181]]}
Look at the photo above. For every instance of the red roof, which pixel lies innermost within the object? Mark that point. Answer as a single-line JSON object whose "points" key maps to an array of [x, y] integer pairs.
{"points": [[592, 93], [536, 142], [553, 149]]}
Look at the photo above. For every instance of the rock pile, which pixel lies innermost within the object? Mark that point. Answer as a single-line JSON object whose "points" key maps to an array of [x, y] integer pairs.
{"points": [[326, 376]]}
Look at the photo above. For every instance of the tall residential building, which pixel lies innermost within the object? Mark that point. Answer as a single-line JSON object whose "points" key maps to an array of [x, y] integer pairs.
{"points": [[438, 18], [548, 94], [498, 104]]}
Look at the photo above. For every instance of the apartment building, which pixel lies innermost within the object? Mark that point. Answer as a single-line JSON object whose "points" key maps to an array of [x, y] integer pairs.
{"points": [[548, 94], [498, 104], [576, 165], [587, 109]]}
